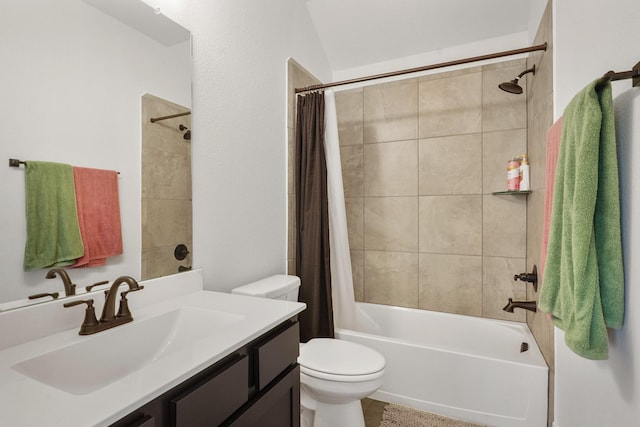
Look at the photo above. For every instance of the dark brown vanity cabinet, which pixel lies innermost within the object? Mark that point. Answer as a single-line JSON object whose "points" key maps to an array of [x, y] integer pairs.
{"points": [[256, 385]]}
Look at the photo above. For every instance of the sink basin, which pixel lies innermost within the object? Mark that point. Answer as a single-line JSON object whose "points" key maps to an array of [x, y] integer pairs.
{"points": [[108, 356]]}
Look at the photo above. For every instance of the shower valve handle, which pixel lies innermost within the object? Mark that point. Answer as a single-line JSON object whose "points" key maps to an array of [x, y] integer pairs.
{"points": [[525, 277], [529, 277]]}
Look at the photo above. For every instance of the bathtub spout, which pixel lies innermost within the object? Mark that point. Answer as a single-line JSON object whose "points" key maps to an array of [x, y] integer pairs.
{"points": [[527, 305]]}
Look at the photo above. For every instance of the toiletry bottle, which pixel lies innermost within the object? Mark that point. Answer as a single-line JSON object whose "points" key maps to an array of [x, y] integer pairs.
{"points": [[513, 174], [525, 184]]}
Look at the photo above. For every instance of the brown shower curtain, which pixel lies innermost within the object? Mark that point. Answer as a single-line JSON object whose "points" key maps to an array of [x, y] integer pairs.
{"points": [[312, 219]]}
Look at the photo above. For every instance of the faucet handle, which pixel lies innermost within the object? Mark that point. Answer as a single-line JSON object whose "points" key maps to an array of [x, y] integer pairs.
{"points": [[89, 303], [123, 308], [90, 321], [529, 277], [88, 288], [53, 295]]}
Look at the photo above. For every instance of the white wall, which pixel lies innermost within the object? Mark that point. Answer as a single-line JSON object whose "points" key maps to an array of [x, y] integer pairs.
{"points": [[536, 10], [590, 39], [71, 80], [240, 49]]}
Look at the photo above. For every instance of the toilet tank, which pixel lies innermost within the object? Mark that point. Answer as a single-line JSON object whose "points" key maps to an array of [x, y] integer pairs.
{"points": [[279, 286]]}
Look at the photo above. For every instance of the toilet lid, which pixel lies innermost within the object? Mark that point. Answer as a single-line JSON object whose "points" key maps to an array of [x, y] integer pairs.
{"points": [[338, 357]]}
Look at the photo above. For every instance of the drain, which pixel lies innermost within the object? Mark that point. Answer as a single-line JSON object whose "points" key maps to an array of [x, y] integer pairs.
{"points": [[524, 347]]}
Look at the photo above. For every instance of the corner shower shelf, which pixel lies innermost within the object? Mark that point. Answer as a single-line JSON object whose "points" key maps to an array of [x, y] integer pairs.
{"points": [[509, 193]]}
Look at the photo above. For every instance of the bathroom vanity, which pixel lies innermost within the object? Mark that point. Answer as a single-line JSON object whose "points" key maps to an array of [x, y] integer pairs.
{"points": [[258, 384], [190, 357]]}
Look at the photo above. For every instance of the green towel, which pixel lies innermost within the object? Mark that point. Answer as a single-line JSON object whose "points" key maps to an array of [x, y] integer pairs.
{"points": [[53, 233], [583, 286]]}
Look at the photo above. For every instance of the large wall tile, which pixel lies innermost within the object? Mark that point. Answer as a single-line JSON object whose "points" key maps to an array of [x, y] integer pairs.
{"points": [[165, 135], [499, 286], [160, 261], [352, 160], [451, 105], [357, 271], [505, 226], [391, 169], [391, 111], [540, 120], [166, 175], [391, 224], [451, 165], [502, 110], [391, 278], [451, 224], [498, 148], [535, 225], [349, 108], [354, 207], [451, 283], [170, 228]]}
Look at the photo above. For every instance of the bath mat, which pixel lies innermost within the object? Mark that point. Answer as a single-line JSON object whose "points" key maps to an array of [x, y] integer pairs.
{"points": [[401, 416]]}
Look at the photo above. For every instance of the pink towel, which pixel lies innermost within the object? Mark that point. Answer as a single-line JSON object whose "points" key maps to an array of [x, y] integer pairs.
{"points": [[553, 147], [98, 205]]}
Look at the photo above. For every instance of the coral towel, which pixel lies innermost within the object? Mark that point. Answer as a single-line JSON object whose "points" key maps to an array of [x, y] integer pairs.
{"points": [[98, 214], [553, 146]]}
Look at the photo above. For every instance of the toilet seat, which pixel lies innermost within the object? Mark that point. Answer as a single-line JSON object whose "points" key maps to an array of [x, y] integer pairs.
{"points": [[338, 360]]}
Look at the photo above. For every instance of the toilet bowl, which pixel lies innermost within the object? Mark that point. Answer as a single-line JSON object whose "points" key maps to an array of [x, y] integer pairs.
{"points": [[334, 374]]}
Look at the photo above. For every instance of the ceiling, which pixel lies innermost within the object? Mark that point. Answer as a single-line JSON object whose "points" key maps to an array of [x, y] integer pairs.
{"points": [[355, 33]]}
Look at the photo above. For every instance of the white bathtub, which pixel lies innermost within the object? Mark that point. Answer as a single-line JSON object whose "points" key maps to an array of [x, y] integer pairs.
{"points": [[458, 366]]}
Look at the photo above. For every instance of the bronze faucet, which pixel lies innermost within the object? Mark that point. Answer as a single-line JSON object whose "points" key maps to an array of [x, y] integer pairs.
{"points": [[109, 309], [109, 318], [526, 305], [69, 288]]}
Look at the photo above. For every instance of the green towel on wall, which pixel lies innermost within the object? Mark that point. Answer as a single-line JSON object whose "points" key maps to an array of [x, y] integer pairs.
{"points": [[53, 233], [583, 286]]}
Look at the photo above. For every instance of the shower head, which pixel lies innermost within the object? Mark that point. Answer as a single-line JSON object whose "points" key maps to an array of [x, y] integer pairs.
{"points": [[513, 86]]}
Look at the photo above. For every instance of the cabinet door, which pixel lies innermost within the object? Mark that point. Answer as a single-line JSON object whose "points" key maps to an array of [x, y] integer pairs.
{"points": [[275, 355], [279, 406], [138, 419], [146, 421], [214, 399]]}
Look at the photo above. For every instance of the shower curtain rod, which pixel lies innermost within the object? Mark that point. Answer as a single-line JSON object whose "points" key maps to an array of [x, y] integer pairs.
{"points": [[542, 46], [157, 119]]}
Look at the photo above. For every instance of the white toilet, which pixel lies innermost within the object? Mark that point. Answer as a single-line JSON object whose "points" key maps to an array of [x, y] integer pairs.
{"points": [[334, 374]]}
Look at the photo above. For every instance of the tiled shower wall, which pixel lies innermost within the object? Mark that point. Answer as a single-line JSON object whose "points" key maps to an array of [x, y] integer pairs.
{"points": [[420, 160], [166, 188], [540, 118]]}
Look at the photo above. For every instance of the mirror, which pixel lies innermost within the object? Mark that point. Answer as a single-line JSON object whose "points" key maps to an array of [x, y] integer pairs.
{"points": [[74, 73]]}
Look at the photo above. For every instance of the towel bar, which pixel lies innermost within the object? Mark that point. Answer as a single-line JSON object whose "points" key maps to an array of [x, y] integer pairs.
{"points": [[15, 163]]}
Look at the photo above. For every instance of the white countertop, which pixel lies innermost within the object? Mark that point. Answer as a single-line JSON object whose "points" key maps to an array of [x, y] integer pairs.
{"points": [[27, 402]]}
